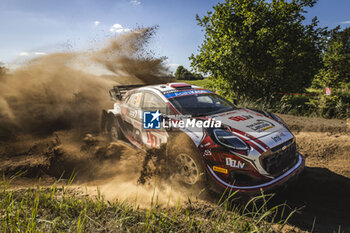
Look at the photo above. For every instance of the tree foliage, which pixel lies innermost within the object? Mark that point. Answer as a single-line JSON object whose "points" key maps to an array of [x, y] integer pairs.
{"points": [[336, 61], [183, 74], [257, 48]]}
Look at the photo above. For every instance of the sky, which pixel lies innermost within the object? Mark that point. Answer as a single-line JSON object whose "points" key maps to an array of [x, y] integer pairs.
{"points": [[31, 28]]}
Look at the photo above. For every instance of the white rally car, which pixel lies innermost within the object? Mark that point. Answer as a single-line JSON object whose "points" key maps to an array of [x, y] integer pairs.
{"points": [[209, 140]]}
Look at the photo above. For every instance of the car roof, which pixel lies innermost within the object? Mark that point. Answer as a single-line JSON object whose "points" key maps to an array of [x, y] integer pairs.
{"points": [[167, 87]]}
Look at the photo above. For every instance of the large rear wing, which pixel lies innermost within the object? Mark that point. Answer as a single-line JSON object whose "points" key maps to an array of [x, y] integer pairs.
{"points": [[118, 91]]}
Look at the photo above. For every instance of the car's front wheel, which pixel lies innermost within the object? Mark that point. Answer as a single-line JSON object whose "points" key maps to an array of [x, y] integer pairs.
{"points": [[185, 163], [187, 168]]}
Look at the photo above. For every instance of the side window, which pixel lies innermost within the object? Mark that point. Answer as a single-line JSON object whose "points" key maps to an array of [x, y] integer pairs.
{"points": [[135, 100], [152, 102]]}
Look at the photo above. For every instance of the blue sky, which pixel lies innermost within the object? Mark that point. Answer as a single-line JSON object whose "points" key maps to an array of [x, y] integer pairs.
{"points": [[33, 27]]}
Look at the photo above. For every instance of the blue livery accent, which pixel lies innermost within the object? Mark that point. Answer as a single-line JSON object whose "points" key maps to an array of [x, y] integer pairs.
{"points": [[187, 92]]}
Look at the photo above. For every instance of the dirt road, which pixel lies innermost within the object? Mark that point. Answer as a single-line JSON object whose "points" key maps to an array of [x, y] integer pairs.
{"points": [[322, 194]]}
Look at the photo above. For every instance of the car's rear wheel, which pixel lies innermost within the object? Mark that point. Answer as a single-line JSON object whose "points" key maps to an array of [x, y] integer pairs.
{"points": [[110, 127], [113, 132]]}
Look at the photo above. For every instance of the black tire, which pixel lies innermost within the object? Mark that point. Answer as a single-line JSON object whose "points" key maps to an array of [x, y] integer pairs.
{"points": [[185, 163], [110, 127], [114, 133]]}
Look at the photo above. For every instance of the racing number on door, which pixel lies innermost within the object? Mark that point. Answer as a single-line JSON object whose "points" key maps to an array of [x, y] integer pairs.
{"points": [[152, 139]]}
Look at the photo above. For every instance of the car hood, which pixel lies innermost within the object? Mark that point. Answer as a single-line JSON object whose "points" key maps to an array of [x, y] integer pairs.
{"points": [[249, 122], [262, 132]]}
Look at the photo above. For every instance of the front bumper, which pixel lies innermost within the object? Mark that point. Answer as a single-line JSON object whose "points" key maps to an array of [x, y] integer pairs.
{"points": [[289, 175]]}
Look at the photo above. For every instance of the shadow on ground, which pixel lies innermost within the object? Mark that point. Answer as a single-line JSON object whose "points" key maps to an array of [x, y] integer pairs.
{"points": [[325, 198]]}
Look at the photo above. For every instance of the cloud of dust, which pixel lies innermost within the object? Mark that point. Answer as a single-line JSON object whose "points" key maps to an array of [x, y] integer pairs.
{"points": [[117, 168], [53, 93], [57, 93], [119, 180]]}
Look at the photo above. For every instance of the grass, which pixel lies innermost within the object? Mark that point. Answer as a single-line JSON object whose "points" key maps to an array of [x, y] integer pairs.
{"points": [[59, 209], [200, 83]]}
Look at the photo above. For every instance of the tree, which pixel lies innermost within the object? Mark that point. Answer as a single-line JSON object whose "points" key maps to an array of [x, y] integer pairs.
{"points": [[257, 48], [183, 74], [336, 60], [179, 72]]}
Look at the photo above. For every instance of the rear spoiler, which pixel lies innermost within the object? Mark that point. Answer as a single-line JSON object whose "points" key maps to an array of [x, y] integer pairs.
{"points": [[118, 91]]}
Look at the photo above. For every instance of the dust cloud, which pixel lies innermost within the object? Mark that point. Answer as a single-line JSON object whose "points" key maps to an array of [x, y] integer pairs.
{"points": [[61, 96], [118, 177], [57, 92]]}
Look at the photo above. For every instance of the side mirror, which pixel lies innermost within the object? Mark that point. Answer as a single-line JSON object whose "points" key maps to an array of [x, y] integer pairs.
{"points": [[235, 101]]}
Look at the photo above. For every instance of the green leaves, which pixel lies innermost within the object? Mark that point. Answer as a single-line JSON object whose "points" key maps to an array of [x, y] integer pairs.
{"points": [[259, 48], [336, 60]]}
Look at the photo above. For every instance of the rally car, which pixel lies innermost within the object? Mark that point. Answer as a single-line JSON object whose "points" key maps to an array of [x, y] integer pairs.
{"points": [[208, 139]]}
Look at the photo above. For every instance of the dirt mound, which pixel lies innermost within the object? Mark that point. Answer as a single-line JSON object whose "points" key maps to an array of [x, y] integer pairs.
{"points": [[326, 142], [34, 161], [324, 146], [316, 124]]}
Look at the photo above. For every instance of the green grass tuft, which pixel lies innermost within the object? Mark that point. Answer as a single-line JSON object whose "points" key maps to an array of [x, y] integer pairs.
{"points": [[60, 209]]}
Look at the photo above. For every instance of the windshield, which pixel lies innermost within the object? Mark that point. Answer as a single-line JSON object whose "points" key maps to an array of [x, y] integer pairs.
{"points": [[201, 104]]}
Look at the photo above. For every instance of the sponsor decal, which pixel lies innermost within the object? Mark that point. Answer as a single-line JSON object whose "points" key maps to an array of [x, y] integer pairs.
{"points": [[261, 125], [234, 163], [276, 138], [132, 113], [207, 144], [241, 118], [187, 92], [151, 120], [220, 169], [207, 153], [138, 99]]}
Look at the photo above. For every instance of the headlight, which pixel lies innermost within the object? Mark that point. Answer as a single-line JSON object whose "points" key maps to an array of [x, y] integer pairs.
{"points": [[227, 139]]}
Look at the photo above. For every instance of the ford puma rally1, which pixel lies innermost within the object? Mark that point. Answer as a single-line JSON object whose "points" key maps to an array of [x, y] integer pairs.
{"points": [[209, 140]]}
